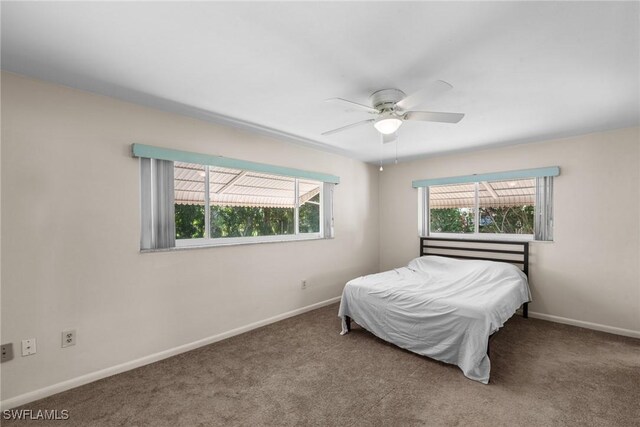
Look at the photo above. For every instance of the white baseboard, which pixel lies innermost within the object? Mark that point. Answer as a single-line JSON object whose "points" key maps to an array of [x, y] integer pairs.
{"points": [[587, 325], [127, 366]]}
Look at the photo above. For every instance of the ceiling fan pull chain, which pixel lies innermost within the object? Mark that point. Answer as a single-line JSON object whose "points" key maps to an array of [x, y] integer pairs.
{"points": [[397, 138], [381, 146]]}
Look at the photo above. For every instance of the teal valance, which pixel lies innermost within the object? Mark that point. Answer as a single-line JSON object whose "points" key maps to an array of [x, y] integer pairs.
{"points": [[495, 176], [151, 152]]}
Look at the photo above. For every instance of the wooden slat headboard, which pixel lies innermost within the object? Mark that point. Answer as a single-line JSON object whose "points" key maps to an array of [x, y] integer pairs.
{"points": [[514, 252]]}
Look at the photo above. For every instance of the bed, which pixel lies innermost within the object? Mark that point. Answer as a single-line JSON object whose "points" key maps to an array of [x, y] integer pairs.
{"points": [[446, 304]]}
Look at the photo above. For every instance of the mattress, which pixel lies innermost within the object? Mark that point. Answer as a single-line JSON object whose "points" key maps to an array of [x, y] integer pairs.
{"points": [[439, 307]]}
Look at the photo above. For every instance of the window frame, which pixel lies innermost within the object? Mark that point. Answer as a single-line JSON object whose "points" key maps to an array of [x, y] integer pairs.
{"points": [[208, 241], [157, 197], [424, 221]]}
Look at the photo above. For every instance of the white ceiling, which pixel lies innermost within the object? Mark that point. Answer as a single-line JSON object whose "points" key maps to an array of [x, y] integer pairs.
{"points": [[521, 71]]}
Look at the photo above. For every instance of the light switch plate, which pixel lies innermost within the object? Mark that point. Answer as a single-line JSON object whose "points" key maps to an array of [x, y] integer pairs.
{"points": [[29, 347]]}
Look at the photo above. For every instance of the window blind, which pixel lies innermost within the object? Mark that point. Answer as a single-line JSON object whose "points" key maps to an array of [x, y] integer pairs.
{"points": [[157, 204]]}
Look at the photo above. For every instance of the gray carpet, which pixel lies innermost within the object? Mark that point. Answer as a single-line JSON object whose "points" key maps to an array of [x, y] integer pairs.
{"points": [[302, 372]]}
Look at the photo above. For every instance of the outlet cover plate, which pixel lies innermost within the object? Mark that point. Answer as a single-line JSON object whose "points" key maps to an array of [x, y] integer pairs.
{"points": [[68, 338], [29, 347], [7, 352]]}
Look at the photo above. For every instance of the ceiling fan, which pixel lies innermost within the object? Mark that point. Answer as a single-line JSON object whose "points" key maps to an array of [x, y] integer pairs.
{"points": [[392, 108]]}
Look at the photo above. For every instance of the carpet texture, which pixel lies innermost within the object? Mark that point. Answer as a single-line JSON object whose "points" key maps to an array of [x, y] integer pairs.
{"points": [[300, 371]]}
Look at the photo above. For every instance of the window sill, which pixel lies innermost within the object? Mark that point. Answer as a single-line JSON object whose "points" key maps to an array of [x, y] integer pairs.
{"points": [[484, 236], [216, 243]]}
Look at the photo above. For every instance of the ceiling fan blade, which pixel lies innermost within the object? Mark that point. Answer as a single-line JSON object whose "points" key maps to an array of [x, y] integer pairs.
{"points": [[352, 125], [429, 116], [353, 105], [389, 138], [433, 91]]}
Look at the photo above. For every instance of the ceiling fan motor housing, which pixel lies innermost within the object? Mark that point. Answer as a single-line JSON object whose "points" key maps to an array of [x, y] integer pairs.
{"points": [[391, 108], [386, 99]]}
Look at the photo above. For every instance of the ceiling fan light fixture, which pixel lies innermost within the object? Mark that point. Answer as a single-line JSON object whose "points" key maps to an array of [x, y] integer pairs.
{"points": [[387, 125]]}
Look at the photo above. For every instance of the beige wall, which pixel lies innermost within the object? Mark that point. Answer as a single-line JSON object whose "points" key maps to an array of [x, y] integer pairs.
{"points": [[70, 237], [590, 273], [70, 233]]}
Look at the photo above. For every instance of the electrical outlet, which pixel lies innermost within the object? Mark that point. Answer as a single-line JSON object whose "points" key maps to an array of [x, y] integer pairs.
{"points": [[68, 338], [7, 352], [29, 347], [303, 284]]}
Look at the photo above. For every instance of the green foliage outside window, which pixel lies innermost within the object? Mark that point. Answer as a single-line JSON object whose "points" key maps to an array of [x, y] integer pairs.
{"points": [[451, 220], [502, 220], [189, 221], [243, 221], [310, 216], [507, 220]]}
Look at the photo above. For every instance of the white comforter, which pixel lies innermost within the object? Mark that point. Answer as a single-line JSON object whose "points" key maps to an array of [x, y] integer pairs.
{"points": [[439, 307]]}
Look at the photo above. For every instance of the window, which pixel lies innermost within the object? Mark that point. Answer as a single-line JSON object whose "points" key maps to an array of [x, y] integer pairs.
{"points": [[498, 207], [451, 208], [190, 199], [507, 207], [484, 207], [215, 204]]}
